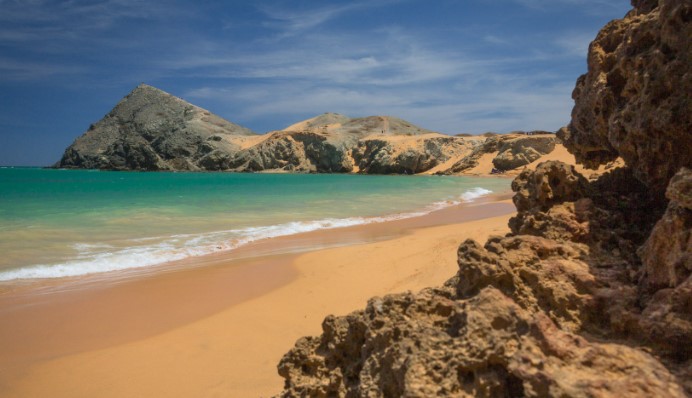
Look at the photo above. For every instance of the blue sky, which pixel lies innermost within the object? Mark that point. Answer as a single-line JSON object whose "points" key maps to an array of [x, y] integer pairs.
{"points": [[447, 65]]}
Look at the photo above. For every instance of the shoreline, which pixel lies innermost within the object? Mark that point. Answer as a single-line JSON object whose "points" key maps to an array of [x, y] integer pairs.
{"points": [[257, 247], [114, 314], [164, 248]]}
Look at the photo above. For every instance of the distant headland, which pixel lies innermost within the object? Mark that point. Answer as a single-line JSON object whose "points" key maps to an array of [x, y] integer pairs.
{"points": [[151, 130]]}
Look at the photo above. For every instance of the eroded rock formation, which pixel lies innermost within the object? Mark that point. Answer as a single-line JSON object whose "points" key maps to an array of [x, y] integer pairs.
{"points": [[634, 102], [296, 152], [386, 156], [591, 292], [435, 344], [511, 151], [542, 312], [518, 152]]}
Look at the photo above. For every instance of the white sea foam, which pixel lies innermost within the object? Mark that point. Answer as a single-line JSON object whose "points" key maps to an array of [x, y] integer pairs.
{"points": [[474, 193], [144, 252]]}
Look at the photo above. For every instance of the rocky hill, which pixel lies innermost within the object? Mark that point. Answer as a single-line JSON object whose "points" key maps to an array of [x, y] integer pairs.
{"points": [[591, 293], [153, 130]]}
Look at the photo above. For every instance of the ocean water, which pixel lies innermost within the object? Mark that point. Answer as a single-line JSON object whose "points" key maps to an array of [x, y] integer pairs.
{"points": [[58, 223]]}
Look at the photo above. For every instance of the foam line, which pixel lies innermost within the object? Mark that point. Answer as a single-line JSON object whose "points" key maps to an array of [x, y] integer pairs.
{"points": [[97, 258]]}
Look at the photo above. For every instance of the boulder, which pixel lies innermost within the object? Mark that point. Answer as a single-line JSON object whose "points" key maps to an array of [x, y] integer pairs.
{"points": [[551, 202]]}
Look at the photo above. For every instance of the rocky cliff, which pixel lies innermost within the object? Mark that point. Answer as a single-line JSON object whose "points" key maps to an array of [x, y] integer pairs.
{"points": [[638, 64], [295, 152], [591, 293], [387, 155]]}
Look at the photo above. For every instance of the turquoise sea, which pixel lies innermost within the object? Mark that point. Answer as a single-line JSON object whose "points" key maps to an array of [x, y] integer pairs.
{"points": [[57, 223]]}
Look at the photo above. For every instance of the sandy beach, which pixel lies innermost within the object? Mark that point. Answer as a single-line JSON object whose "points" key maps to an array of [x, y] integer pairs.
{"points": [[220, 326]]}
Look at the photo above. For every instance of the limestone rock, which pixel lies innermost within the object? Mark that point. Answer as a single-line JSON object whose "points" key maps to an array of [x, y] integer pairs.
{"points": [[565, 305], [334, 143], [513, 150], [321, 123], [431, 344], [489, 145], [386, 156], [634, 100], [540, 199], [518, 152], [152, 130], [520, 316], [294, 151], [552, 182], [667, 254]]}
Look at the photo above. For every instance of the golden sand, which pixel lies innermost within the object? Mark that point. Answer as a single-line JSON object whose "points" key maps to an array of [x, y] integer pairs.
{"points": [[219, 329]]}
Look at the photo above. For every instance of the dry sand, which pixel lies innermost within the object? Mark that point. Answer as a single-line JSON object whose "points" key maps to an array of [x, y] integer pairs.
{"points": [[220, 329]]}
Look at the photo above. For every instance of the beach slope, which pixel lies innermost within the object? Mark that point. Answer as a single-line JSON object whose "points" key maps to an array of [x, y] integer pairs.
{"points": [[232, 322]]}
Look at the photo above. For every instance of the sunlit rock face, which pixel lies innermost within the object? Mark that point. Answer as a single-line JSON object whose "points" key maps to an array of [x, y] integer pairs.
{"points": [[150, 129], [591, 293], [634, 102]]}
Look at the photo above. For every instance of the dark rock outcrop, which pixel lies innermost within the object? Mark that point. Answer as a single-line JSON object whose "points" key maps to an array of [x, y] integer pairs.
{"points": [[383, 156], [634, 102], [591, 293], [294, 151], [333, 143], [152, 130], [667, 254]]}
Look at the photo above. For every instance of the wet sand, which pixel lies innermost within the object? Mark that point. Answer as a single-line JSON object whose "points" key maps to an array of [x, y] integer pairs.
{"points": [[218, 325]]}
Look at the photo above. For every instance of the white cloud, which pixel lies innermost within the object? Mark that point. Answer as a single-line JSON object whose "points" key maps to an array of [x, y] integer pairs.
{"points": [[300, 66], [575, 44], [41, 20], [17, 70], [583, 4], [493, 39], [291, 21], [49, 38], [394, 72], [390, 59], [504, 104]]}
